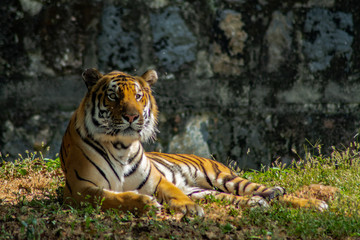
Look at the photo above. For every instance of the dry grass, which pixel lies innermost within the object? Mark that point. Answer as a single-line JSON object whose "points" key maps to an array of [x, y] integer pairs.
{"points": [[325, 193]]}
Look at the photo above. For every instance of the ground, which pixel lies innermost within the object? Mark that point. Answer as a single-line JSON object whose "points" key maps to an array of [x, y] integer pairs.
{"points": [[31, 206]]}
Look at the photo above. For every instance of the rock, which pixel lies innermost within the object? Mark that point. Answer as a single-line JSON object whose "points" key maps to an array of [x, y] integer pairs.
{"points": [[173, 41], [31, 6], [42, 94], [301, 93], [118, 48], [193, 139], [321, 3], [203, 67], [328, 35], [157, 3], [279, 40], [8, 132], [337, 93]]}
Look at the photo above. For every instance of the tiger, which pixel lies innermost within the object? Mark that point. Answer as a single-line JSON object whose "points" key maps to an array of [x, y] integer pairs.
{"points": [[102, 156]]}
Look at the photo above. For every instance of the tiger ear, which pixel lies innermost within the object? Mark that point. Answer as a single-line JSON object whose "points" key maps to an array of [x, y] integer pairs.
{"points": [[150, 77], [91, 76]]}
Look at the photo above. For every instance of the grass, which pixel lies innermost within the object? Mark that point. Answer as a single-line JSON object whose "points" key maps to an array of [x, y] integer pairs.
{"points": [[31, 205]]}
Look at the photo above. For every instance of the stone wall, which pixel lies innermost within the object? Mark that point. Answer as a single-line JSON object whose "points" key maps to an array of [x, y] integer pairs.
{"points": [[244, 81]]}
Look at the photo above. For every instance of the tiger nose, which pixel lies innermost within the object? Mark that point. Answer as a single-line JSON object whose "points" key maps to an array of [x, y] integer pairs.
{"points": [[130, 118]]}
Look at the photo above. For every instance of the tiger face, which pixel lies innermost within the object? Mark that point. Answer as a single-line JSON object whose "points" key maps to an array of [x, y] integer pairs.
{"points": [[119, 106]]}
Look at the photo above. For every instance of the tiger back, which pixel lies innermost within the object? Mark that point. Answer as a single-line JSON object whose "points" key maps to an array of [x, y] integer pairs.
{"points": [[102, 156]]}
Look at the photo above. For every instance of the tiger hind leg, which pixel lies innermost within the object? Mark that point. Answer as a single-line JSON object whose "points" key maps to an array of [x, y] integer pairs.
{"points": [[262, 200], [247, 193], [233, 184], [238, 201], [304, 202]]}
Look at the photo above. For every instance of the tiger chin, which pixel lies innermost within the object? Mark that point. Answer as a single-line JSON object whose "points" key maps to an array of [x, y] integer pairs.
{"points": [[102, 156]]}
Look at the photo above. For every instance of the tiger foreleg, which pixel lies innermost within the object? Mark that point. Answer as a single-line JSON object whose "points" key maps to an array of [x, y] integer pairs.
{"points": [[176, 199], [128, 201], [124, 201]]}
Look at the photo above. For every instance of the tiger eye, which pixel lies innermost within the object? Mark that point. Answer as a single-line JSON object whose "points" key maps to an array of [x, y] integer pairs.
{"points": [[112, 96], [138, 96]]}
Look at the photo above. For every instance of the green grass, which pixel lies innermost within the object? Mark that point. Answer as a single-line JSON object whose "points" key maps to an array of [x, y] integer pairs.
{"points": [[31, 206]]}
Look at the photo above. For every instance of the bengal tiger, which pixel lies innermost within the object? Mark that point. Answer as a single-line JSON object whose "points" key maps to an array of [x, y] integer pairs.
{"points": [[102, 156]]}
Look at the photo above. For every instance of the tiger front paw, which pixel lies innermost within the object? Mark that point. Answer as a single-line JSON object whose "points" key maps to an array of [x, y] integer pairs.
{"points": [[142, 203], [129, 201], [186, 207]]}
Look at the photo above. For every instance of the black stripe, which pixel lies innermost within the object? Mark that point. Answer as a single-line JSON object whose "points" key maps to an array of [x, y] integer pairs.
{"points": [[191, 160], [83, 179], [182, 160], [201, 160], [63, 151], [62, 154], [68, 186], [93, 107], [93, 101], [245, 186], [161, 162], [177, 167], [227, 179], [68, 127], [136, 154], [145, 180], [103, 101], [207, 177], [256, 188], [102, 173], [174, 179], [266, 195], [134, 168], [157, 185], [216, 169], [101, 152], [159, 170], [98, 168], [112, 155], [198, 191], [237, 186], [98, 97]]}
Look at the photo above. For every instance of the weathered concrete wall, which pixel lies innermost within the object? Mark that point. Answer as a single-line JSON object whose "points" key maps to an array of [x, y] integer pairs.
{"points": [[244, 81]]}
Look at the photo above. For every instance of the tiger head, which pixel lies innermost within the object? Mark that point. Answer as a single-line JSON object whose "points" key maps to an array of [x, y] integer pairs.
{"points": [[118, 106]]}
